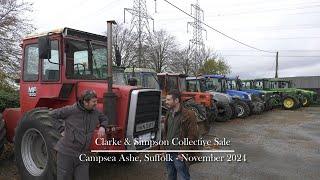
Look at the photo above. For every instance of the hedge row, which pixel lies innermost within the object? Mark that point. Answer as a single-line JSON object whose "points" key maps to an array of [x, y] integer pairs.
{"points": [[8, 99]]}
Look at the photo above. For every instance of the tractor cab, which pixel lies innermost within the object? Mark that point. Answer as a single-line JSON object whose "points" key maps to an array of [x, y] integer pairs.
{"points": [[145, 77], [278, 83], [262, 84]]}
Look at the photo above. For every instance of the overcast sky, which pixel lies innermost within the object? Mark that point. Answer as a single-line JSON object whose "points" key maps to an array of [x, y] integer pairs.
{"points": [[288, 26]]}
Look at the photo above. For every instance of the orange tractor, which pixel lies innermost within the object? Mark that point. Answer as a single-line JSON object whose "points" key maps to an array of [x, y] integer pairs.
{"points": [[201, 103], [55, 68]]}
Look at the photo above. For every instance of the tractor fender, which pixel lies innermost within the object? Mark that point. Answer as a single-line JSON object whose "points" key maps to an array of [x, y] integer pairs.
{"points": [[2, 134], [221, 97], [11, 117]]}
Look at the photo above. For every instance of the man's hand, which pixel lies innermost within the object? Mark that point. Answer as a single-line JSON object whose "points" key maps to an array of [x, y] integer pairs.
{"points": [[101, 132], [180, 157]]}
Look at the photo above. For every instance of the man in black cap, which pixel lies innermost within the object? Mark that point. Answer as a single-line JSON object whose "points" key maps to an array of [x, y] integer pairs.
{"points": [[81, 119]]}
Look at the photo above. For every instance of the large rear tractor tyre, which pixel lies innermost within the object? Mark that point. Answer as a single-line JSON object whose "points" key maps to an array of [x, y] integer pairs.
{"points": [[234, 110], [2, 134], [35, 138], [259, 107], [243, 109], [201, 115], [274, 102], [290, 103], [224, 112], [212, 113]]}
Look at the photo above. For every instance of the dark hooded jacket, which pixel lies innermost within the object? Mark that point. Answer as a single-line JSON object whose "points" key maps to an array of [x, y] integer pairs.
{"points": [[80, 124], [188, 127]]}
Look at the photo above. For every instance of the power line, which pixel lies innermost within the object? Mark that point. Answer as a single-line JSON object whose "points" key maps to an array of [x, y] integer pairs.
{"points": [[218, 30], [248, 55], [309, 50], [269, 10]]}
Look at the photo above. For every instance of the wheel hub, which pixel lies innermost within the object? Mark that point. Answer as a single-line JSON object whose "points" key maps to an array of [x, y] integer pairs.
{"points": [[305, 101], [241, 110], [288, 103], [34, 152]]}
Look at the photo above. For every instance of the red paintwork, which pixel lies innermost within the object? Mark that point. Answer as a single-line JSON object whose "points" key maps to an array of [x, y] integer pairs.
{"points": [[199, 97], [10, 118], [48, 96]]}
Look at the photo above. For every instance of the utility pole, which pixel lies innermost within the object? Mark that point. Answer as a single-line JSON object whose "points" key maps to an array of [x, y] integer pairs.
{"points": [[196, 44], [139, 22], [277, 57]]}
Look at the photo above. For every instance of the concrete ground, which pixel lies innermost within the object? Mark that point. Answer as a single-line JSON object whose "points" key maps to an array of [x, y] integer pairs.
{"points": [[278, 145]]}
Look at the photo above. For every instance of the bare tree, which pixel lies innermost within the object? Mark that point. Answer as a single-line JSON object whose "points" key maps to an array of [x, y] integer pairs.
{"points": [[160, 50], [125, 40], [13, 26], [180, 61]]}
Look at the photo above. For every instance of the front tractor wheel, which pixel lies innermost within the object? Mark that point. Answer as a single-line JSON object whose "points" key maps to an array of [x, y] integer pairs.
{"points": [[306, 102], [201, 115], [224, 112], [2, 135], [34, 140], [290, 103], [243, 109]]}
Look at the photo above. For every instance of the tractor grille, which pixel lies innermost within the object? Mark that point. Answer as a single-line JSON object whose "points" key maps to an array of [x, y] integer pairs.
{"points": [[147, 115]]}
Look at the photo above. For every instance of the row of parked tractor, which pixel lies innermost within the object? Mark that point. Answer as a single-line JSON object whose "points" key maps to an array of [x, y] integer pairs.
{"points": [[221, 98]]}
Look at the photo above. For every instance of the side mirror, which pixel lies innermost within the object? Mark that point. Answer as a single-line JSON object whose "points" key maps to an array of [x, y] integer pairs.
{"points": [[44, 47], [118, 56]]}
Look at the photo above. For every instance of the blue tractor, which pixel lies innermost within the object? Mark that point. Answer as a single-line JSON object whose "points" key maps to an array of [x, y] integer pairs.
{"points": [[243, 100], [258, 97]]}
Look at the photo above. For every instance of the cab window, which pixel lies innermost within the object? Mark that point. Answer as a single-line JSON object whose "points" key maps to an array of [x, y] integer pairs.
{"points": [[50, 68], [31, 63]]}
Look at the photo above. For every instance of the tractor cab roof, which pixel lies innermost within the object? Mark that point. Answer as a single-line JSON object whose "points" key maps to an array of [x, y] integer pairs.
{"points": [[261, 79], [232, 77], [194, 78], [214, 76], [70, 32], [139, 70], [172, 74], [278, 80]]}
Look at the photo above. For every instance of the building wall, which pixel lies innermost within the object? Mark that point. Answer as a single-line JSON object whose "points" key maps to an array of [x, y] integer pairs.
{"points": [[311, 82]]}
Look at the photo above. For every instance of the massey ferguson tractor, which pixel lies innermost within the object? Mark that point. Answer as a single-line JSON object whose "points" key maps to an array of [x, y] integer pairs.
{"points": [[55, 68]]}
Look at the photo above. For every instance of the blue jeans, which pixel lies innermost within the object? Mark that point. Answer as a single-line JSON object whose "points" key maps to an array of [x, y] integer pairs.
{"points": [[177, 167]]}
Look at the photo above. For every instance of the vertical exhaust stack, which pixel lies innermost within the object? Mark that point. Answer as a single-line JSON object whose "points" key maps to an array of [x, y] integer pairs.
{"points": [[109, 97]]}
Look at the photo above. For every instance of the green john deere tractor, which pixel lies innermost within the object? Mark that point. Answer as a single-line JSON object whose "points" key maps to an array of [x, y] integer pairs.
{"points": [[270, 99], [287, 98], [308, 97]]}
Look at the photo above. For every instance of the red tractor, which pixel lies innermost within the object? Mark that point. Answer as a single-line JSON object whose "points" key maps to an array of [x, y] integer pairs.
{"points": [[201, 103], [55, 68]]}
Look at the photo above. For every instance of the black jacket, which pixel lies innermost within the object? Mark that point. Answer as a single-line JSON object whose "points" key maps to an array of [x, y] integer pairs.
{"points": [[79, 127]]}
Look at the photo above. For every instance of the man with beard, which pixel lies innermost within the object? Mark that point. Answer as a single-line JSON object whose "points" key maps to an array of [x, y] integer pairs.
{"points": [[179, 123], [81, 119]]}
